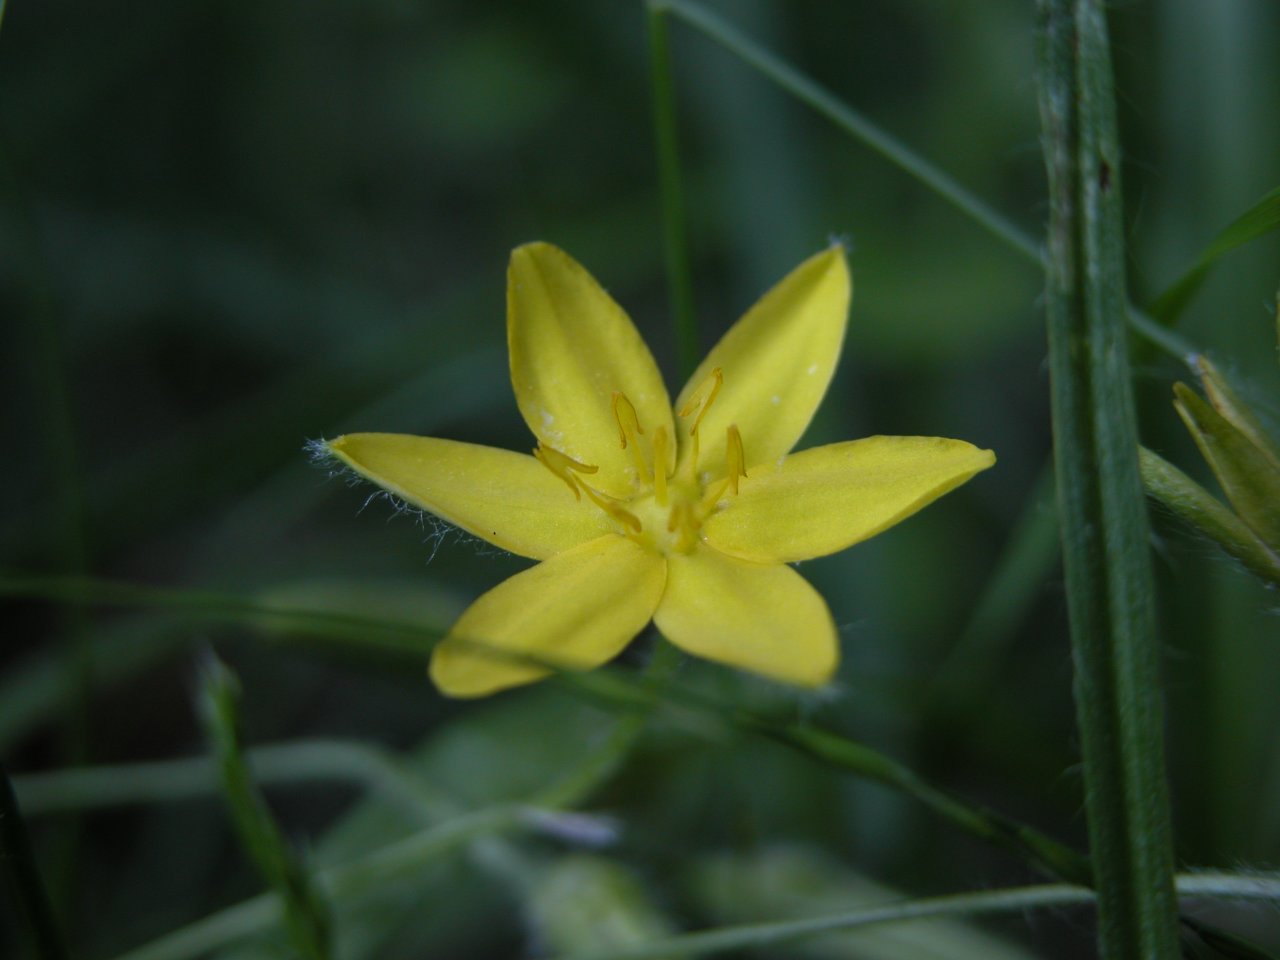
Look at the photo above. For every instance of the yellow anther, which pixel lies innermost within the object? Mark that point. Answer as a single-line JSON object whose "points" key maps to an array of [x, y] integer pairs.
{"points": [[735, 458], [563, 466], [660, 442], [702, 398], [625, 414], [628, 429]]}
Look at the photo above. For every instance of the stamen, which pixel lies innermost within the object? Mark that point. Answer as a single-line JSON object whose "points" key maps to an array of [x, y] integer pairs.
{"points": [[628, 428], [735, 468], [624, 517], [625, 414], [735, 458], [702, 398], [561, 465], [660, 441]]}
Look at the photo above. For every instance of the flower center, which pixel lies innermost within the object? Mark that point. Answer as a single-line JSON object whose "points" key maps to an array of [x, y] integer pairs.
{"points": [[667, 509]]}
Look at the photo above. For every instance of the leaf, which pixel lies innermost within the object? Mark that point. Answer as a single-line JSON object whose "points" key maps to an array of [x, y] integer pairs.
{"points": [[1201, 511], [1248, 476], [1261, 218]]}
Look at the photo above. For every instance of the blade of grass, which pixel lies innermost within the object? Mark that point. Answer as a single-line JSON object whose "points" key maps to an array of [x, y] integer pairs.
{"points": [[964, 678], [1100, 501], [22, 878], [306, 915], [1257, 221], [828, 105]]}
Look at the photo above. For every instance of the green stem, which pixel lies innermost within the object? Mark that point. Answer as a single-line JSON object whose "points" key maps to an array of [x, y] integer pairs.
{"points": [[850, 121], [393, 636], [613, 688], [828, 105], [675, 234], [1055, 858], [18, 871], [760, 936], [1110, 595]]}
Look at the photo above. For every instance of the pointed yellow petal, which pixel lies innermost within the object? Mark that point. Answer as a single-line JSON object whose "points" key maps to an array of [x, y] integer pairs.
{"points": [[827, 498], [764, 618], [573, 611], [777, 362], [507, 498], [572, 347]]}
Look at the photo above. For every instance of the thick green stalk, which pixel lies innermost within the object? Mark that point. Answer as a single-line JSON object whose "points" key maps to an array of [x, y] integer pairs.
{"points": [[1100, 501], [675, 236]]}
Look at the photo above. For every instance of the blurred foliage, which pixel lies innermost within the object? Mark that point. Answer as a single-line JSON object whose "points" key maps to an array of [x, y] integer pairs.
{"points": [[227, 228]]}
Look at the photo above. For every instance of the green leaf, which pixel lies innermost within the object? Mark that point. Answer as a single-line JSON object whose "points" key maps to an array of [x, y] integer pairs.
{"points": [[1260, 219], [1196, 507], [1249, 477], [1239, 413]]}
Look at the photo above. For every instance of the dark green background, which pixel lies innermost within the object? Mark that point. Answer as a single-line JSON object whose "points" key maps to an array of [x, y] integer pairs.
{"points": [[227, 228]]}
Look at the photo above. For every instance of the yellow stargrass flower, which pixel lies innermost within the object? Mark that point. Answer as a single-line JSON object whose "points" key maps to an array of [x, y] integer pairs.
{"points": [[639, 510]]}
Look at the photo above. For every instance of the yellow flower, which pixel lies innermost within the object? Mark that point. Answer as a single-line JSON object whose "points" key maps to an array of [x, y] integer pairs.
{"points": [[638, 511]]}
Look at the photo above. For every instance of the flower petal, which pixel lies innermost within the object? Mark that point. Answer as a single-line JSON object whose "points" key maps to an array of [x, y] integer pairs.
{"points": [[777, 362], [575, 610], [765, 618], [571, 348], [509, 499], [827, 498]]}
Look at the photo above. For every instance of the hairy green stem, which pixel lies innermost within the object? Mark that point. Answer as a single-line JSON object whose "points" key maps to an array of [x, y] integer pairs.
{"points": [[1110, 594]]}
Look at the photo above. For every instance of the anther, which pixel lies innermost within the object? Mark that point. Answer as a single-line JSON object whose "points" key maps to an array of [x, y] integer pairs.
{"points": [[702, 398], [562, 465], [628, 429], [735, 458], [625, 414]]}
